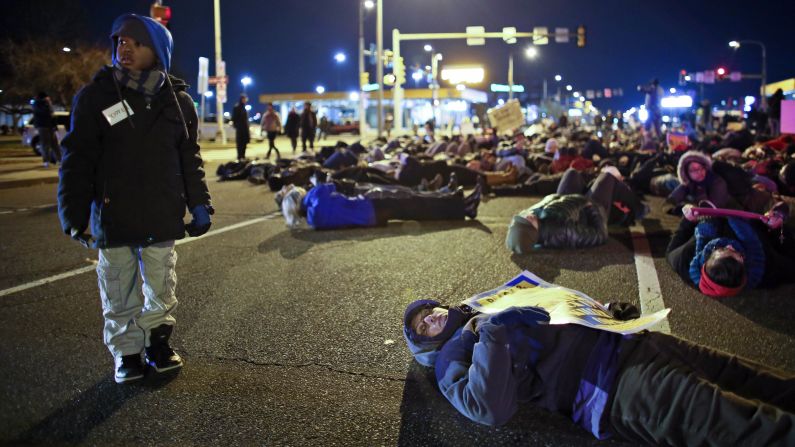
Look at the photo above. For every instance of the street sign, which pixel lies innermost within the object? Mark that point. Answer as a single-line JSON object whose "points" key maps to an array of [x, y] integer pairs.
{"points": [[509, 34], [540, 35], [700, 77], [735, 76], [608, 93], [709, 77], [589, 94], [561, 35], [215, 80], [476, 30], [220, 70], [204, 67]]}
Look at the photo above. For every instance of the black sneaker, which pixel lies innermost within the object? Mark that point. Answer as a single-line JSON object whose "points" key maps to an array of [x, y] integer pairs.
{"points": [[159, 354], [163, 358], [129, 368]]}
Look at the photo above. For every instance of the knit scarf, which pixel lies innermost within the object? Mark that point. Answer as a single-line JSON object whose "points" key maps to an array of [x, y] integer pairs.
{"points": [[147, 82]]}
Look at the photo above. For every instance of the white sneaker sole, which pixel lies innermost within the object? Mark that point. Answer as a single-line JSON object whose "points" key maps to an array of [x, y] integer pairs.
{"points": [[162, 370], [127, 379]]}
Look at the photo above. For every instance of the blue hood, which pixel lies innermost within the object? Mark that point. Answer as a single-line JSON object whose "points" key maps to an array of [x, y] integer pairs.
{"points": [[161, 38], [426, 349]]}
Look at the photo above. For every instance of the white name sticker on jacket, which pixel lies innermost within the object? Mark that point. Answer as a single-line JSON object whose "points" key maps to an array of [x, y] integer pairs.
{"points": [[116, 112]]}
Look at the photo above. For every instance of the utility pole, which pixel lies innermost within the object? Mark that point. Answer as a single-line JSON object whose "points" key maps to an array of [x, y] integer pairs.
{"points": [[362, 117], [220, 87], [379, 37], [510, 76]]}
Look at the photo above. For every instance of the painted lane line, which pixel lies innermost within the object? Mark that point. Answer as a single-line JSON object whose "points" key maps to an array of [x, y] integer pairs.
{"points": [[91, 268], [651, 299], [22, 210]]}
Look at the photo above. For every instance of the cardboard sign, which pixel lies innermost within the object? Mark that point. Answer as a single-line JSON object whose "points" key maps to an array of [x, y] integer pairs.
{"points": [[507, 117]]}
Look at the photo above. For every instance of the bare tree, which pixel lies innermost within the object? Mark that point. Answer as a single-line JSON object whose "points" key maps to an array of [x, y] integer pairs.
{"points": [[42, 65]]}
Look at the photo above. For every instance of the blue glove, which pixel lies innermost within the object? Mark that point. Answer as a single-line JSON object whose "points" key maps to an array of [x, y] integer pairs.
{"points": [[514, 316], [201, 220]]}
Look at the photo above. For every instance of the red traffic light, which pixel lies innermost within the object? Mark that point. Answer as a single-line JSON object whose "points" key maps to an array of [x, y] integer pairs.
{"points": [[160, 13]]}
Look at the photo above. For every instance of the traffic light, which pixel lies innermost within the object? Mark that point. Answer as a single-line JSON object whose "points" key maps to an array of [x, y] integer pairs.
{"points": [[400, 71], [721, 73], [160, 13], [364, 78], [581, 36], [682, 77]]}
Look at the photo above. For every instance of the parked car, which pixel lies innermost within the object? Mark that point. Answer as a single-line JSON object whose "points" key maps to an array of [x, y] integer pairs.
{"points": [[347, 127], [30, 135], [209, 128]]}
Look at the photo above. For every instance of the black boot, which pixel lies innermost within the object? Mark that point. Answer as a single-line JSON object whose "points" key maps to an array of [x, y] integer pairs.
{"points": [[159, 354], [129, 368], [471, 203]]}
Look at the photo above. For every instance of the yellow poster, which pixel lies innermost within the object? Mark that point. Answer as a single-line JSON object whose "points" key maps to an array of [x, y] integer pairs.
{"points": [[565, 306]]}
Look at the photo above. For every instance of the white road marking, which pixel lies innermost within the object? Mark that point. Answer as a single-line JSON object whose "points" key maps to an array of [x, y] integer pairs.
{"points": [[651, 299], [90, 268], [22, 210]]}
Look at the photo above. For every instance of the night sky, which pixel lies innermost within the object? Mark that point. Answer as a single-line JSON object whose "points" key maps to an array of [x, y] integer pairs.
{"points": [[288, 46]]}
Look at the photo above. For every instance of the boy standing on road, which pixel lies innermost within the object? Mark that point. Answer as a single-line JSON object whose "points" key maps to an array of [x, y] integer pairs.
{"points": [[131, 164]]}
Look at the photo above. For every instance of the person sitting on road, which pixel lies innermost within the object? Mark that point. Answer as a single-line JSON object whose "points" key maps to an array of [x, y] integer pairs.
{"points": [[697, 182], [325, 208], [648, 387], [723, 256], [571, 219]]}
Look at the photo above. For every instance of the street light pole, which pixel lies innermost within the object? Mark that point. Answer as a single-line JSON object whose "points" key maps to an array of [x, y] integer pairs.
{"points": [[510, 76], [736, 44], [379, 42], [219, 106], [362, 120]]}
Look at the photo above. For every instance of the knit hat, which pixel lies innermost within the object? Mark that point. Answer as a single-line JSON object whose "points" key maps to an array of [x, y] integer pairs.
{"points": [[133, 27], [522, 236], [426, 349]]}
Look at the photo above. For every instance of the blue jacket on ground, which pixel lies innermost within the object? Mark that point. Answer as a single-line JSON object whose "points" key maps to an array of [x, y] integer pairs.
{"points": [[327, 209], [493, 363]]}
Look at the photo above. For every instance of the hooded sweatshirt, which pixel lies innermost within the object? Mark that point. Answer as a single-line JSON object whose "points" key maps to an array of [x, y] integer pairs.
{"points": [[487, 365], [712, 188], [129, 169]]}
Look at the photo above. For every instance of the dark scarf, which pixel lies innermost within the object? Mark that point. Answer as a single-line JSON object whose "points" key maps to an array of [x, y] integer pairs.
{"points": [[147, 82]]}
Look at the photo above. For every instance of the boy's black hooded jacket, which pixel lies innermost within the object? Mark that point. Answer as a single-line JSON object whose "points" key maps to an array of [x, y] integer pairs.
{"points": [[133, 182]]}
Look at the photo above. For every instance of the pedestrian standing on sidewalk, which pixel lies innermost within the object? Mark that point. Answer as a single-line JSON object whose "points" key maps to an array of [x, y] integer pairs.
{"points": [[131, 164], [44, 120], [308, 126], [240, 121], [272, 124], [292, 126]]}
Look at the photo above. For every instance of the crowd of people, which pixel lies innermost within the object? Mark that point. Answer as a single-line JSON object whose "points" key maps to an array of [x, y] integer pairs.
{"points": [[646, 387]]}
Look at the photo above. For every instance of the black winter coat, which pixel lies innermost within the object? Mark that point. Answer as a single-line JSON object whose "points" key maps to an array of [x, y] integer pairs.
{"points": [[43, 115], [131, 184]]}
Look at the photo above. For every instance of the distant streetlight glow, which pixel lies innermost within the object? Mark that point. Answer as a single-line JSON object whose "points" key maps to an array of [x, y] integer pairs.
{"points": [[320, 89], [208, 94], [569, 88], [687, 78], [458, 75], [582, 98], [672, 90], [428, 48], [246, 81], [248, 107], [460, 87], [66, 49], [353, 96], [734, 44], [369, 4], [339, 57], [417, 75], [531, 52], [558, 78]]}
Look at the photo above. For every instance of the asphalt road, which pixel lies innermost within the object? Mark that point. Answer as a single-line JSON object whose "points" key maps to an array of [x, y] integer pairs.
{"points": [[294, 338]]}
